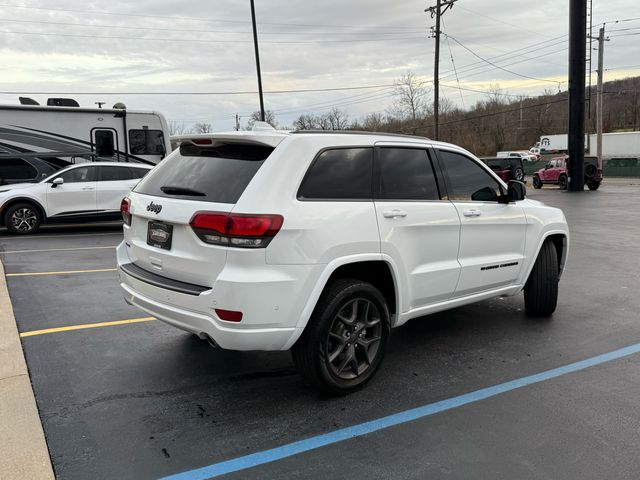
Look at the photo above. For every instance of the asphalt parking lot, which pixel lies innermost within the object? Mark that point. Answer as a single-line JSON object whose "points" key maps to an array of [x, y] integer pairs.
{"points": [[142, 400]]}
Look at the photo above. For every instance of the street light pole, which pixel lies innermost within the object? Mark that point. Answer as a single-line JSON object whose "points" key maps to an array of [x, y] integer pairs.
{"points": [[255, 44]]}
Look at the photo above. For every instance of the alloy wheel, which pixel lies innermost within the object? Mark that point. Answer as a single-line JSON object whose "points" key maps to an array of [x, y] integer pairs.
{"points": [[24, 219], [354, 339]]}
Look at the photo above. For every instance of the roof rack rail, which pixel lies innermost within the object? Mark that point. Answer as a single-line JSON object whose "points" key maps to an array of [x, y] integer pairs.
{"points": [[361, 132]]}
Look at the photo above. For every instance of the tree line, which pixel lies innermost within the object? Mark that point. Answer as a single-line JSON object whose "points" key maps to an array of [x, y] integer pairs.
{"points": [[499, 121]]}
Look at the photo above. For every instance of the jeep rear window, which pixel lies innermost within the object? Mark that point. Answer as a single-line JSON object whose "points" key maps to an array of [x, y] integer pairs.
{"points": [[218, 174]]}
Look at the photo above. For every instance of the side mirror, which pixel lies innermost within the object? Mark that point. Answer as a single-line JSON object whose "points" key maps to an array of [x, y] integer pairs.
{"points": [[57, 181], [516, 191]]}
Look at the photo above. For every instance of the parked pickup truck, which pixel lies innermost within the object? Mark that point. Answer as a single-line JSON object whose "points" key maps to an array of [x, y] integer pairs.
{"points": [[555, 172]]}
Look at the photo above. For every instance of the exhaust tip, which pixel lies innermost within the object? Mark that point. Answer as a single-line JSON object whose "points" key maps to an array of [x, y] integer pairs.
{"points": [[211, 341]]}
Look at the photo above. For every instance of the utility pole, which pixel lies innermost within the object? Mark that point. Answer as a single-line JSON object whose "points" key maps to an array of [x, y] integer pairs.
{"points": [[436, 12], [601, 39], [237, 122], [577, 60], [255, 44]]}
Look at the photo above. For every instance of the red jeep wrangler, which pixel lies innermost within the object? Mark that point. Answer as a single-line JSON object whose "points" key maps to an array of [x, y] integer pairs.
{"points": [[555, 172]]}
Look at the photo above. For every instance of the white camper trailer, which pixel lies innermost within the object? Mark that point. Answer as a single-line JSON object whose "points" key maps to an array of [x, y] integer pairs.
{"points": [[61, 133]]}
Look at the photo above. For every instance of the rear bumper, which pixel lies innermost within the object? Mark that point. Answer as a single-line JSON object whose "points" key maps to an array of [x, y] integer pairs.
{"points": [[271, 302], [226, 337]]}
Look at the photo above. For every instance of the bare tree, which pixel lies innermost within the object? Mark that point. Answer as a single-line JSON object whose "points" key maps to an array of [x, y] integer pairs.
{"points": [[337, 119], [269, 117], [411, 98], [373, 122], [177, 128], [202, 128], [306, 121]]}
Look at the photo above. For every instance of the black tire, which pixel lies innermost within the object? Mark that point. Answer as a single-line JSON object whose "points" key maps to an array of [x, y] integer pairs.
{"points": [[329, 328], [590, 170], [563, 182], [22, 218], [518, 174], [537, 184], [541, 289], [593, 186]]}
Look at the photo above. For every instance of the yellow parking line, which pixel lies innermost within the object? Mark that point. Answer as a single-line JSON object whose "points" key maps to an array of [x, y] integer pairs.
{"points": [[66, 272], [55, 250], [86, 325]]}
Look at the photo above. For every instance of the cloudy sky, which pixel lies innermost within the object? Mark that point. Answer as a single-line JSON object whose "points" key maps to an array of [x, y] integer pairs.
{"points": [[116, 50]]}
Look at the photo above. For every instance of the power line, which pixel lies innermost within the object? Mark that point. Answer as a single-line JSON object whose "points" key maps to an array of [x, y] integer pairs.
{"points": [[453, 63], [498, 66], [246, 92], [190, 30], [196, 19], [183, 40], [518, 27]]}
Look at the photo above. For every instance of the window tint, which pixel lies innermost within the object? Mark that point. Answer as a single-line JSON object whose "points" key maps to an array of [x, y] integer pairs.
{"points": [[79, 174], [16, 168], [216, 174], [343, 173], [138, 172], [104, 143], [467, 180], [406, 174], [110, 174], [146, 142]]}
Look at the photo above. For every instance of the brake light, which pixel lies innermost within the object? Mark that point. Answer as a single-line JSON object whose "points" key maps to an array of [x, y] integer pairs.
{"points": [[202, 141], [125, 206], [235, 229]]}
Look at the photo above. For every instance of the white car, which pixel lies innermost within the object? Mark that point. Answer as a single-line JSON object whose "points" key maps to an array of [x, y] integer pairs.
{"points": [[322, 242], [81, 192], [524, 155]]}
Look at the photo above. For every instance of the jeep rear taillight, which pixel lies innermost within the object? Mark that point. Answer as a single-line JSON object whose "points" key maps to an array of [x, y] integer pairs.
{"points": [[125, 206], [236, 229]]}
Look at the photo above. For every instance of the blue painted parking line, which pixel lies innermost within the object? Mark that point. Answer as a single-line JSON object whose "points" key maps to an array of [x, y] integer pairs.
{"points": [[312, 443]]}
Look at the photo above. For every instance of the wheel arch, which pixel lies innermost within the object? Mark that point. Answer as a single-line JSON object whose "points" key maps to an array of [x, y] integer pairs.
{"points": [[373, 268], [16, 200], [560, 240]]}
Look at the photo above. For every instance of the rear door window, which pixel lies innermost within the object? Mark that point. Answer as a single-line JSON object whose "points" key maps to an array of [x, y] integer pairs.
{"points": [[406, 174], [339, 174], [211, 174]]}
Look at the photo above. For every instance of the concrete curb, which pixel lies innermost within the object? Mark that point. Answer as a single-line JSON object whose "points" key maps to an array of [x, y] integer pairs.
{"points": [[22, 443]]}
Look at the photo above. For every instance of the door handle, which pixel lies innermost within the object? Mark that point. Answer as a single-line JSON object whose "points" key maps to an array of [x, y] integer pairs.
{"points": [[87, 188], [396, 212], [472, 212]]}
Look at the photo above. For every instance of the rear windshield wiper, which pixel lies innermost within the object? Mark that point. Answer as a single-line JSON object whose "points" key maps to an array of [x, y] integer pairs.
{"points": [[175, 190]]}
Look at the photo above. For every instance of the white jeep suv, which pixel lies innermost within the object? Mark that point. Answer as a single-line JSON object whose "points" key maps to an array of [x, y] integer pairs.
{"points": [[82, 192], [322, 242]]}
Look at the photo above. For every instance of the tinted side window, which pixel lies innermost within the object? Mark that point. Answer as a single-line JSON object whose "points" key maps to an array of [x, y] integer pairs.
{"points": [[16, 168], [80, 174], [146, 142], [467, 180], [110, 174], [343, 173], [406, 174], [138, 172]]}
